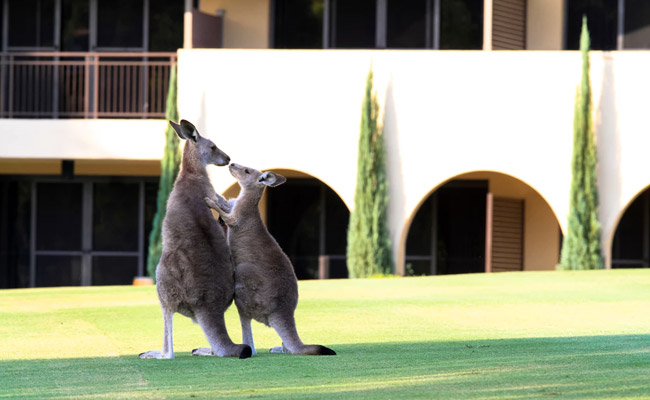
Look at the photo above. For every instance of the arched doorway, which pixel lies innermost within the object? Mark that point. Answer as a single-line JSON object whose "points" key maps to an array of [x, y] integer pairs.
{"points": [[482, 221], [309, 221], [631, 245]]}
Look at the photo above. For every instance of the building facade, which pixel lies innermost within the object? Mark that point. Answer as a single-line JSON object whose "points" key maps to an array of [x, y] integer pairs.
{"points": [[478, 126]]}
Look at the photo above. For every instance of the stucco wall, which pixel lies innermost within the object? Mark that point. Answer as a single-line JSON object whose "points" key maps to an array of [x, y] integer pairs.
{"points": [[446, 113], [544, 24], [88, 139], [246, 22], [621, 85]]}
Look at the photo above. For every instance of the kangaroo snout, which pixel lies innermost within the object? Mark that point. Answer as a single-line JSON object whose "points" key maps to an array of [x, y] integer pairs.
{"points": [[234, 169], [226, 160]]}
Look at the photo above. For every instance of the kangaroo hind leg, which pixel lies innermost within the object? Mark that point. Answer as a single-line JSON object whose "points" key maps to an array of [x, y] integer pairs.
{"points": [[168, 340], [214, 328], [247, 333]]}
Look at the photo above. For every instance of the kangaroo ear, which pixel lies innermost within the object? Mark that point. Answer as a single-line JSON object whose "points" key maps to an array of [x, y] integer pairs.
{"points": [[269, 178], [185, 130]]}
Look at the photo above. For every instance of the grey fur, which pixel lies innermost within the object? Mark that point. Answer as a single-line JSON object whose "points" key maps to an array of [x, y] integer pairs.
{"points": [[195, 273], [266, 288]]}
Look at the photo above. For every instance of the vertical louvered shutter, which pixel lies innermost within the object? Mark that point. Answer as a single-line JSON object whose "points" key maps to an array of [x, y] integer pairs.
{"points": [[507, 235], [509, 24]]}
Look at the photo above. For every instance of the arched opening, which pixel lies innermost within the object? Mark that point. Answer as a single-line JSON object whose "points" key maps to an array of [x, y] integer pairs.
{"points": [[631, 245], [482, 222], [309, 221]]}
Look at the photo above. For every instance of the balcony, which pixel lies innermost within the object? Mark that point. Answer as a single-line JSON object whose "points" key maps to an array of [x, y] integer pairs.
{"points": [[84, 85]]}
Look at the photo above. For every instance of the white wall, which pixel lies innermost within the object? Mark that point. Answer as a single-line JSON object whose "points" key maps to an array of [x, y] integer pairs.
{"points": [[82, 139], [621, 88], [447, 113]]}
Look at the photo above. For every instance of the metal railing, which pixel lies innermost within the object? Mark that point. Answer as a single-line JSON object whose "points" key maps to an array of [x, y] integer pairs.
{"points": [[84, 85]]}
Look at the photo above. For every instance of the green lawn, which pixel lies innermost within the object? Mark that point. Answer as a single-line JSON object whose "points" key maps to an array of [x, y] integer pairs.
{"points": [[499, 336]]}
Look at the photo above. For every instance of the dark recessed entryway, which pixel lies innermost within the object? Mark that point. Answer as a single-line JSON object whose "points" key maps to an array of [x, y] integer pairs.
{"points": [[482, 221], [309, 220], [631, 246], [447, 235]]}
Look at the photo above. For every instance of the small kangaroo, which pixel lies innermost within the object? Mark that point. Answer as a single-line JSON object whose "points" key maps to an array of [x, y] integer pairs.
{"points": [[266, 288], [195, 273]]}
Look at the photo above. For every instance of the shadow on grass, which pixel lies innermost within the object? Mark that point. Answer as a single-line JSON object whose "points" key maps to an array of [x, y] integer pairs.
{"points": [[565, 367]]}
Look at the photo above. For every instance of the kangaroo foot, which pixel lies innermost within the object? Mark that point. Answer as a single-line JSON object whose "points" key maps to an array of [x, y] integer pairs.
{"points": [[157, 354], [279, 350], [243, 352], [203, 351]]}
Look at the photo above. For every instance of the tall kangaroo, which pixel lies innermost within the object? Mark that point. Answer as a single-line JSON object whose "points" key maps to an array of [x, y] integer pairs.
{"points": [[195, 276], [266, 288]]}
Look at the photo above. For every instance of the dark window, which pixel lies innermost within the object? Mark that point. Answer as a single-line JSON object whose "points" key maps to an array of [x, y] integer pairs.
{"points": [[406, 24], [31, 23], [115, 216], [601, 21], [298, 24], [119, 23], [114, 270], [113, 226], [637, 24], [461, 24], [354, 23], [165, 25], [150, 206], [15, 217], [74, 25], [58, 216], [58, 271]]}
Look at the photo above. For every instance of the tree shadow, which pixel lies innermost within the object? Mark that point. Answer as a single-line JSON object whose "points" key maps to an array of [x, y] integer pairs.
{"points": [[563, 367]]}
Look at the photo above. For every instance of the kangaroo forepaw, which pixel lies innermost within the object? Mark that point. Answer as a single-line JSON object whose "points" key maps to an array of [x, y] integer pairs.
{"points": [[223, 214], [224, 204], [212, 204]]}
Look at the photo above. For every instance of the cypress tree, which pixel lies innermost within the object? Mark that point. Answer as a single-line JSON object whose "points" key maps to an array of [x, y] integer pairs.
{"points": [[170, 165], [581, 246], [369, 247]]}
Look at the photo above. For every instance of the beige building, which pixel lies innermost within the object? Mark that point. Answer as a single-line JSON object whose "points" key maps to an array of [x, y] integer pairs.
{"points": [[479, 141]]}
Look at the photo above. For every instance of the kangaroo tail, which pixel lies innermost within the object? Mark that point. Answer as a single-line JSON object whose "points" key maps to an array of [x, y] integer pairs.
{"points": [[316, 350]]}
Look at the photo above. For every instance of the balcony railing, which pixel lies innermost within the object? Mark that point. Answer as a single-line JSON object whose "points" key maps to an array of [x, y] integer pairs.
{"points": [[84, 85]]}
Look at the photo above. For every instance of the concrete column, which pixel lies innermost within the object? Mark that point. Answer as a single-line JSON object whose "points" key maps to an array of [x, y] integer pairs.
{"points": [[187, 24], [487, 24]]}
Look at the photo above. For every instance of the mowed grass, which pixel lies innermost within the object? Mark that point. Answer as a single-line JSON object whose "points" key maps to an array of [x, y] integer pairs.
{"points": [[525, 335]]}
